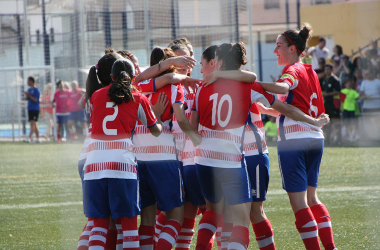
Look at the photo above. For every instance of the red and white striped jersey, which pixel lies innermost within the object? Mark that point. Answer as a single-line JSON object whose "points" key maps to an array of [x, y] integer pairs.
{"points": [[150, 148], [305, 93], [254, 137], [179, 135], [110, 151], [223, 108], [147, 86]]}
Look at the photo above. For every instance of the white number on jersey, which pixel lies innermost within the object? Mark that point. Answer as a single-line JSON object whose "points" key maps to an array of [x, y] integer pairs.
{"points": [[312, 107], [110, 118], [214, 99]]}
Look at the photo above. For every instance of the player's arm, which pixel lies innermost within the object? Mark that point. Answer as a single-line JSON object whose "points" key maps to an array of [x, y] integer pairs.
{"points": [[277, 87], [237, 75], [174, 78], [160, 106], [148, 119], [81, 101], [268, 111], [185, 125], [194, 120], [296, 114], [156, 129], [157, 69]]}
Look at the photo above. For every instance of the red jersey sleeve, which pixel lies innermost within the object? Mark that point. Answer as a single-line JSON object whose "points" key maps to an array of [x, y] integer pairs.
{"points": [[177, 94], [147, 86], [289, 76], [145, 113], [258, 94]]}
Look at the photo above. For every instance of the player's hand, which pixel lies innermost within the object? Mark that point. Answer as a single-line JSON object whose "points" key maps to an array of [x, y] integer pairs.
{"points": [[323, 119], [191, 83], [160, 106], [197, 140], [185, 61], [210, 79]]}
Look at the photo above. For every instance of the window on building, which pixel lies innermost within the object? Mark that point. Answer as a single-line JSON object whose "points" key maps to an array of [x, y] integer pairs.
{"points": [[271, 38], [272, 4]]}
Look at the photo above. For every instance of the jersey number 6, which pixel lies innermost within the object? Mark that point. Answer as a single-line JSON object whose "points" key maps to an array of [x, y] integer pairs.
{"points": [[110, 118], [214, 99]]}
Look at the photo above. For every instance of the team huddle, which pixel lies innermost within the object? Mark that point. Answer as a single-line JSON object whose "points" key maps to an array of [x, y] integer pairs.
{"points": [[168, 147]]}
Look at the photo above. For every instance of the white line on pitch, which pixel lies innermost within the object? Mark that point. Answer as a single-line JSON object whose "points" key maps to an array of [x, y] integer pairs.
{"points": [[39, 205], [331, 189]]}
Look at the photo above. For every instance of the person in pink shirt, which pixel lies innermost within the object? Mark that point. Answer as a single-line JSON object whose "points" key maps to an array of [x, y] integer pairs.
{"points": [[62, 105], [76, 113]]}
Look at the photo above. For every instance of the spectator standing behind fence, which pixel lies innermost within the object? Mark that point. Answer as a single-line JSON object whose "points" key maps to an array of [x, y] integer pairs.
{"points": [[33, 98], [47, 111], [61, 100], [370, 92], [349, 108], [271, 129], [317, 52], [343, 70], [76, 113], [338, 53], [321, 70], [331, 87]]}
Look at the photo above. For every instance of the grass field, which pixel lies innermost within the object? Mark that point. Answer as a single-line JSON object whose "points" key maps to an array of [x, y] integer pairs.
{"points": [[41, 208]]}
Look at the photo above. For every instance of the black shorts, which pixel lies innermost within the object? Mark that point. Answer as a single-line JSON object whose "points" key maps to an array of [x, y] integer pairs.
{"points": [[332, 111], [348, 114], [33, 115]]}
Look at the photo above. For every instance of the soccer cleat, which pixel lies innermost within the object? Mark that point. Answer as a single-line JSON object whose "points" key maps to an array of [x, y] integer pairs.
{"points": [[27, 140]]}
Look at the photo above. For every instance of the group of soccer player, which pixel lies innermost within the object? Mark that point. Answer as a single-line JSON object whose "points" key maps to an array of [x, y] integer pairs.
{"points": [[167, 147]]}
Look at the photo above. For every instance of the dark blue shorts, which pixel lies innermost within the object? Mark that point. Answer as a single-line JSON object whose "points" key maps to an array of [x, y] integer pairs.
{"points": [[232, 183], [348, 114], [111, 196], [161, 183], [62, 119], [79, 116], [193, 192], [258, 171], [299, 161]]}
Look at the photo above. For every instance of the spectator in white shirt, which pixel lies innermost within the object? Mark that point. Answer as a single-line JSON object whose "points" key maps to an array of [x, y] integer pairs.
{"points": [[318, 52]]}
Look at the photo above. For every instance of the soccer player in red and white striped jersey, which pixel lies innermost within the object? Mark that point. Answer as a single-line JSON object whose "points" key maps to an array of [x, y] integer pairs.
{"points": [[110, 172], [300, 147]]}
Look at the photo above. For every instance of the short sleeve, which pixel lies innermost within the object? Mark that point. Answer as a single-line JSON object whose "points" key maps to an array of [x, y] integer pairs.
{"points": [[344, 91], [362, 86], [147, 86], [177, 94], [336, 85], [258, 94], [145, 113], [289, 76]]}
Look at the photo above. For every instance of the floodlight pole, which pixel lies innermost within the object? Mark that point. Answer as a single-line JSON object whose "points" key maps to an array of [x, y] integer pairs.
{"points": [[46, 40]]}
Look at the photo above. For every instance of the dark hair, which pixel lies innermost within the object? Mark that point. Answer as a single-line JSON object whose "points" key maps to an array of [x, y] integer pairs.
{"points": [[184, 41], [121, 89], [160, 54], [179, 46], [329, 65], [58, 82], [298, 37], [209, 53], [31, 78], [101, 72], [233, 55], [339, 49], [323, 60], [126, 54], [109, 50], [321, 39]]}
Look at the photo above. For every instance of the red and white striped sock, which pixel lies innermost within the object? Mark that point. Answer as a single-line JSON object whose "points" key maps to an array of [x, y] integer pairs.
{"points": [[211, 243], [226, 234], [325, 231], [146, 234], [119, 240], [218, 233], [186, 234], [160, 223], [264, 235], [239, 239], [84, 238], [111, 239], [206, 229], [168, 235], [130, 233], [307, 227], [98, 234]]}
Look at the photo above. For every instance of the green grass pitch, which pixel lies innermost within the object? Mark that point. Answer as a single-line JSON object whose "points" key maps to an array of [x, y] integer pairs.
{"points": [[41, 198]]}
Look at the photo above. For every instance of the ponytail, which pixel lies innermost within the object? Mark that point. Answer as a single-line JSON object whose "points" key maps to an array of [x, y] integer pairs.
{"points": [[92, 83], [121, 90], [232, 55]]}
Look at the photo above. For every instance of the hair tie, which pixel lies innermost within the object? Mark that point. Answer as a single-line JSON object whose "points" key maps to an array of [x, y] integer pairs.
{"points": [[123, 72], [130, 55], [96, 66], [301, 53]]}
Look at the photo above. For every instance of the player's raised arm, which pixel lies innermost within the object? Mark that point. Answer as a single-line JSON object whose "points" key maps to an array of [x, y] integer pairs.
{"points": [[237, 75]]}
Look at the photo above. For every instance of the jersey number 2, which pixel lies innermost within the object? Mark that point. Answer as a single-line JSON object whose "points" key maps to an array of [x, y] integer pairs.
{"points": [[110, 118], [218, 107]]}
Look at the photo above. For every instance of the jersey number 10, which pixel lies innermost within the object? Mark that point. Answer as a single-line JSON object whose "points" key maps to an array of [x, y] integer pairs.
{"points": [[218, 107]]}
